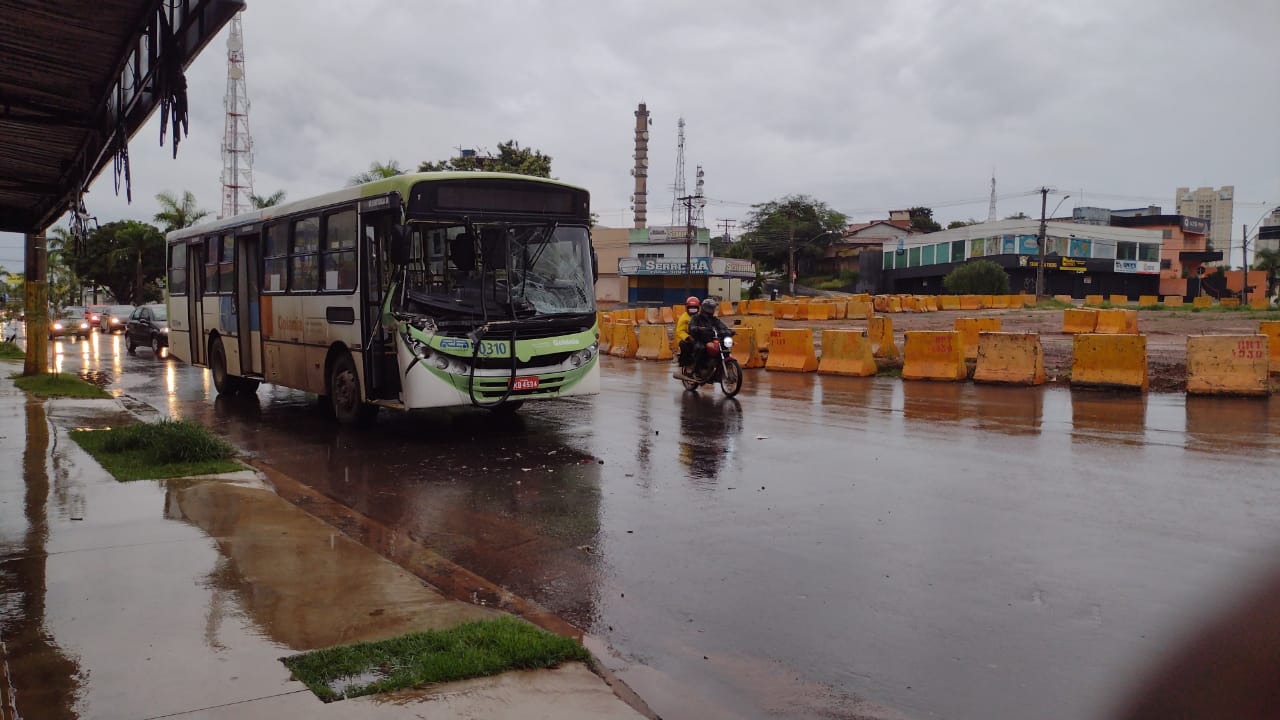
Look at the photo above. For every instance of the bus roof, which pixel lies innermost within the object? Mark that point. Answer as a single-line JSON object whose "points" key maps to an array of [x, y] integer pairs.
{"points": [[402, 183]]}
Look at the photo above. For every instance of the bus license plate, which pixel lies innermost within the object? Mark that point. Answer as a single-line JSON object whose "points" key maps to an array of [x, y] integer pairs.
{"points": [[525, 383]]}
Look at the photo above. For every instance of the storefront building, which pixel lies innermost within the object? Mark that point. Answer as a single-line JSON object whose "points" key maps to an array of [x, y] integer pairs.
{"points": [[1079, 259]]}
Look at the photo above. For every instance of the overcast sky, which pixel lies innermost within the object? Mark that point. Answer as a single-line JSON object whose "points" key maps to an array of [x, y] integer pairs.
{"points": [[868, 106]]}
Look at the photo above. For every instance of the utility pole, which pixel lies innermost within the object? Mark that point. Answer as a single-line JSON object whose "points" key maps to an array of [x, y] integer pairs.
{"points": [[727, 225], [1044, 200], [688, 242], [36, 302], [791, 252], [1244, 257]]}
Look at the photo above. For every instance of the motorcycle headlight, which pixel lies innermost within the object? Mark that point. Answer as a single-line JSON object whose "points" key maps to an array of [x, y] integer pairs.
{"points": [[728, 342]]}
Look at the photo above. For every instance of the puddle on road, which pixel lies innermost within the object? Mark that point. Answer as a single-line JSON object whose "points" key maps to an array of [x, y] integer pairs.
{"points": [[341, 686]]}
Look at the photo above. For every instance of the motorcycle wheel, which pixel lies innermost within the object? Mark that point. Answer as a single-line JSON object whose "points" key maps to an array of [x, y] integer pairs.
{"points": [[690, 385], [731, 382]]}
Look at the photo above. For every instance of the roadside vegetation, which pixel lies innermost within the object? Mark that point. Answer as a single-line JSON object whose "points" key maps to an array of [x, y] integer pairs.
{"points": [[474, 649], [978, 277], [162, 449], [11, 351], [59, 385]]}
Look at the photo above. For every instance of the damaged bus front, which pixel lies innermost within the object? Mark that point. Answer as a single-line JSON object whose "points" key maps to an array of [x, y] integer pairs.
{"points": [[492, 295]]}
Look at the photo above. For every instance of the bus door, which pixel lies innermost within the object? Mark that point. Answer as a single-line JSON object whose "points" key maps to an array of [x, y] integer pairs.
{"points": [[195, 300], [382, 378], [248, 330]]}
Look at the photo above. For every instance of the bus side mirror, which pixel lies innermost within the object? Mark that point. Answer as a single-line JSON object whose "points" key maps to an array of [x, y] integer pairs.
{"points": [[595, 267], [399, 246]]}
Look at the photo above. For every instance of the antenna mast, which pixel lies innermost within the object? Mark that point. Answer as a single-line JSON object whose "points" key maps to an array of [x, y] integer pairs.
{"points": [[237, 145], [991, 211], [699, 200], [678, 188]]}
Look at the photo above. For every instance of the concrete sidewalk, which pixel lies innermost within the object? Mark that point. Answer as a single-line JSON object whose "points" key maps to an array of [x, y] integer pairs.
{"points": [[177, 598]]}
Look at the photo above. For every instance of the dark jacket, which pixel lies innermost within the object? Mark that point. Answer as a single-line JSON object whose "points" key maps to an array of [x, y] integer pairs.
{"points": [[705, 327]]}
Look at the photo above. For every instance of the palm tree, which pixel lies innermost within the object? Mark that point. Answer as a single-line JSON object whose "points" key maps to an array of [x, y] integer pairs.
{"points": [[378, 171], [1268, 260], [264, 201], [64, 283], [176, 214]]}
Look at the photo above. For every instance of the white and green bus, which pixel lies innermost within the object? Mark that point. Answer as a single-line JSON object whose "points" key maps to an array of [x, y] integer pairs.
{"points": [[417, 291]]}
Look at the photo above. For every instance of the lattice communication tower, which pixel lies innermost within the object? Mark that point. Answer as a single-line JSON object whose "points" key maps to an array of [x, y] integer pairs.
{"points": [[237, 145]]}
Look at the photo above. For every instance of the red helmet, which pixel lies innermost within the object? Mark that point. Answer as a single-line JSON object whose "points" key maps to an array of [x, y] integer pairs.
{"points": [[692, 302]]}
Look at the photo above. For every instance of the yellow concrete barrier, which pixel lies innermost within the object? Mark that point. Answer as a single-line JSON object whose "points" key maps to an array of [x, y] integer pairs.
{"points": [[1028, 300], [969, 329], [846, 352], [949, 302], [932, 303], [910, 304], [895, 304], [785, 310], [791, 351], [606, 336], [1010, 358], [1173, 301], [654, 343], [652, 316], [818, 311], [1271, 328], [1109, 361], [725, 309], [999, 302], [1204, 301], [859, 310], [677, 311], [765, 308], [1079, 320], [1233, 302], [762, 325], [625, 343], [839, 310], [666, 316], [1117, 322], [1259, 304], [1148, 301], [933, 355], [880, 332], [1227, 365], [1092, 300], [970, 302], [745, 348], [1063, 298], [1117, 299], [880, 303]]}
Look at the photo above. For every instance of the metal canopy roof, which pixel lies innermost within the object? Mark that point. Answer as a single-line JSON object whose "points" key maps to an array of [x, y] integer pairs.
{"points": [[77, 79]]}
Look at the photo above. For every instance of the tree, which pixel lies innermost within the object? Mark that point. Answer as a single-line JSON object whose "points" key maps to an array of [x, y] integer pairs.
{"points": [[1268, 260], [175, 213], [377, 171], [796, 222], [922, 220], [64, 281], [961, 223], [511, 158], [1018, 216], [979, 277], [125, 257], [264, 201]]}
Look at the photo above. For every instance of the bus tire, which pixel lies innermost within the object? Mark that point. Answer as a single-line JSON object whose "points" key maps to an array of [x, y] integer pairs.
{"points": [[223, 382], [344, 393]]}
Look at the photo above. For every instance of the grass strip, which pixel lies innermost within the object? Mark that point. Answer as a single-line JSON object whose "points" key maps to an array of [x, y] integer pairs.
{"points": [[474, 649], [11, 351], [59, 385], [165, 449]]}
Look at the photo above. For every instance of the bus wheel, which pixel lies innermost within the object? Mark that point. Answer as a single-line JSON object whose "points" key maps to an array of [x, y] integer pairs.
{"points": [[344, 393], [225, 384]]}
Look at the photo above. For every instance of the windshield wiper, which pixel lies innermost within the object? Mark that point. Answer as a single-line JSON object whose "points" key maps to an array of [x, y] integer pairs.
{"points": [[545, 243]]}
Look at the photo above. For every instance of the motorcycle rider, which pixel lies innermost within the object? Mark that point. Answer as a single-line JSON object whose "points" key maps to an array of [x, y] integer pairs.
{"points": [[682, 330], [704, 328]]}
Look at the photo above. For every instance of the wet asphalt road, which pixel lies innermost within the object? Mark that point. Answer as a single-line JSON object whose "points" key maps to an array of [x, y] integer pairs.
{"points": [[946, 550]]}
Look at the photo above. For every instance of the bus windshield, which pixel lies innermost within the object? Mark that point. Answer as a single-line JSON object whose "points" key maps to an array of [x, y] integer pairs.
{"points": [[499, 270]]}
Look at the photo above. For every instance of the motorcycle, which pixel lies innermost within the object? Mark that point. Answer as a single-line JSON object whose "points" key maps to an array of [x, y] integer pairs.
{"points": [[719, 368]]}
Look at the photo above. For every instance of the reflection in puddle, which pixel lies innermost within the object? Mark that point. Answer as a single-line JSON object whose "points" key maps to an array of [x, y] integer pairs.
{"points": [[1109, 417], [932, 401], [1217, 424], [1009, 410]]}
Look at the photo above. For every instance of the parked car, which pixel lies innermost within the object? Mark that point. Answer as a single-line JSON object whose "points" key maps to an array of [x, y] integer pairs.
{"points": [[114, 318], [69, 325], [93, 314], [147, 326]]}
